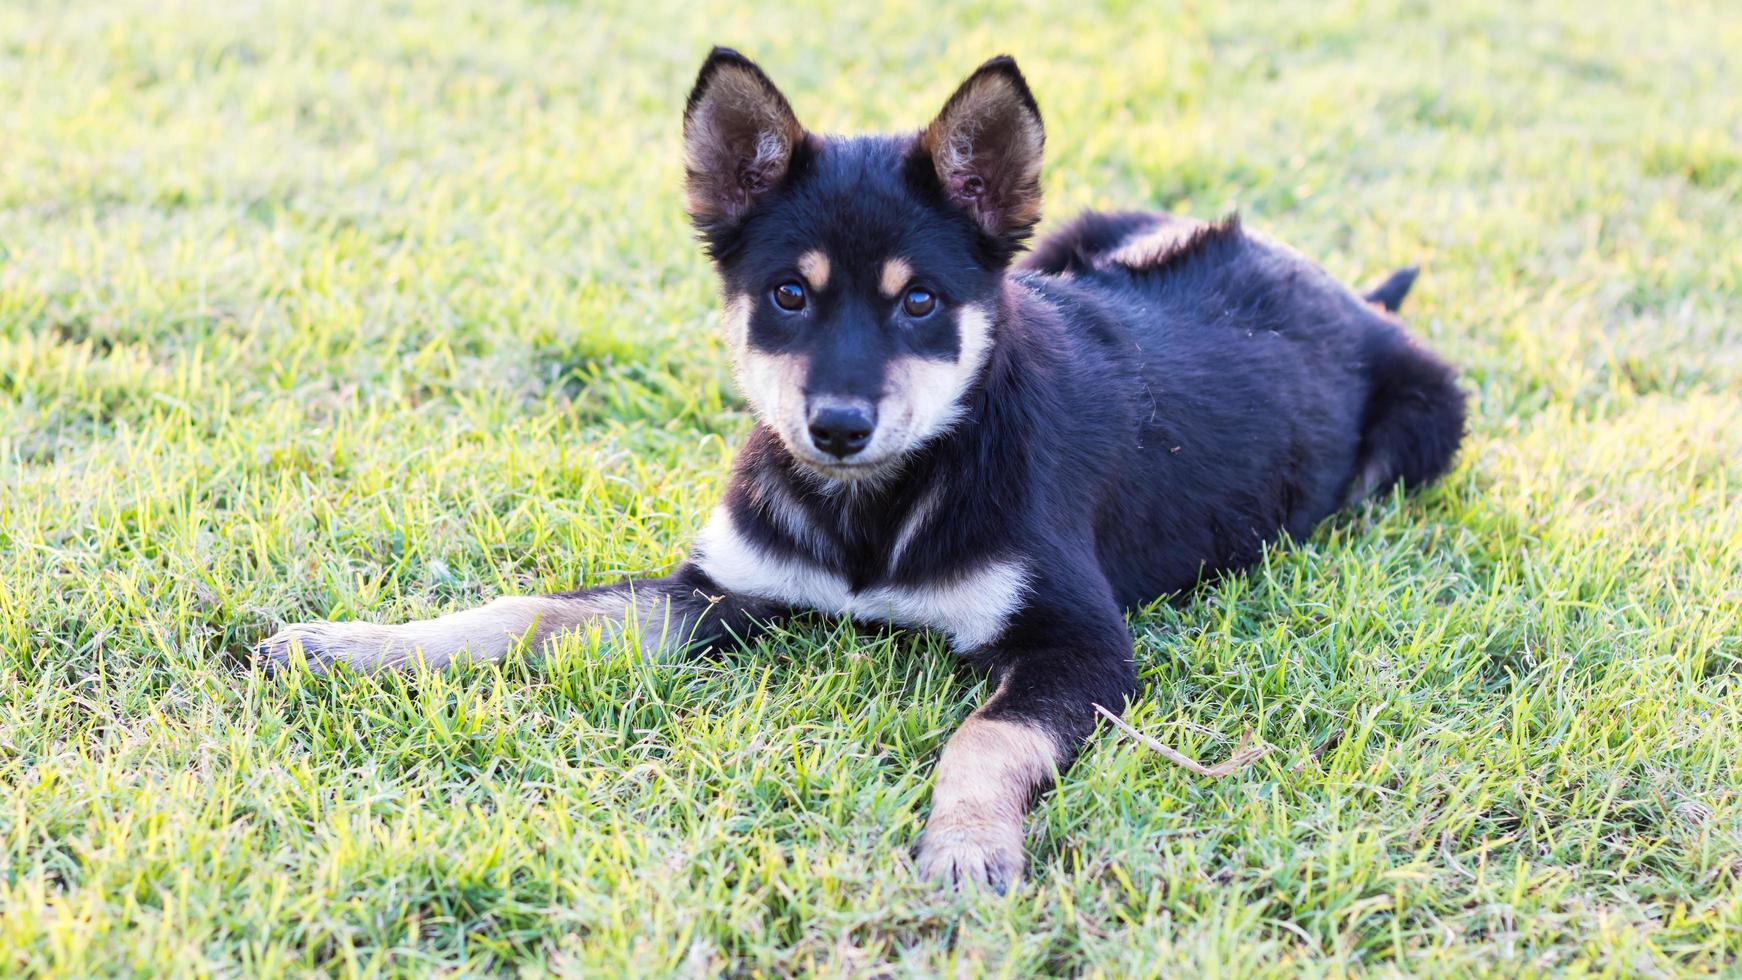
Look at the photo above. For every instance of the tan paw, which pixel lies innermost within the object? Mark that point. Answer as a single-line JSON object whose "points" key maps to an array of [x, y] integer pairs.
{"points": [[971, 853], [321, 645]]}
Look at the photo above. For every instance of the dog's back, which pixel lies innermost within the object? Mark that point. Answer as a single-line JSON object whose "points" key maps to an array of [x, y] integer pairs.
{"points": [[1260, 394]]}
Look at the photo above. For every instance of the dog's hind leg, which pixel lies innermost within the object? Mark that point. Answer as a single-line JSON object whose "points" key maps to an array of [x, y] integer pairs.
{"points": [[667, 615], [1414, 417]]}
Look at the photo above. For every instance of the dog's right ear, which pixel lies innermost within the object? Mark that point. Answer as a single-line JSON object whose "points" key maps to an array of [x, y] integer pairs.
{"points": [[739, 135]]}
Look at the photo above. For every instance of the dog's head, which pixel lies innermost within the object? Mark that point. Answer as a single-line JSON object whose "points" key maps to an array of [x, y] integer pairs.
{"points": [[860, 275]]}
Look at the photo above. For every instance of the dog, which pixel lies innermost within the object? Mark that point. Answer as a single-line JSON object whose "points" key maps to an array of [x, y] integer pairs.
{"points": [[1010, 452]]}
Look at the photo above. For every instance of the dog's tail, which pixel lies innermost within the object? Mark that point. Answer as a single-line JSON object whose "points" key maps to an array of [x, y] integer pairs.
{"points": [[1391, 292], [1414, 415]]}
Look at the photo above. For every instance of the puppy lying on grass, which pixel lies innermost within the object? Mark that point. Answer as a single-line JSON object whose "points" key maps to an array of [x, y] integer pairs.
{"points": [[1012, 455]]}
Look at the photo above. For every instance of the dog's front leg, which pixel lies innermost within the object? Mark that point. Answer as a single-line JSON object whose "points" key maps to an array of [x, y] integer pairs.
{"points": [[1017, 743], [681, 611]]}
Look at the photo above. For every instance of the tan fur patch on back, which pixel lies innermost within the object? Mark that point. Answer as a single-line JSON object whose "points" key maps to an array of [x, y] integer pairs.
{"points": [[1154, 247], [814, 266], [896, 274]]}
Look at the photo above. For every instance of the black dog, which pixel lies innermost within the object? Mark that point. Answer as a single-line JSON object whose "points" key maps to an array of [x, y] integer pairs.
{"points": [[1013, 459]]}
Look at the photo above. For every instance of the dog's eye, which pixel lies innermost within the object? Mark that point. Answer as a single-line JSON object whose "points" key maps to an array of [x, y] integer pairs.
{"points": [[789, 296], [918, 303]]}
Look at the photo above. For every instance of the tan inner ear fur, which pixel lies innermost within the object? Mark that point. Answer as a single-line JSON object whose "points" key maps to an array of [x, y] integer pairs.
{"points": [[957, 141], [741, 126]]}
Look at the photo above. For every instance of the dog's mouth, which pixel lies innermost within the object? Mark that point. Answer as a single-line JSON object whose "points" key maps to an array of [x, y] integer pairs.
{"points": [[845, 470], [871, 463]]}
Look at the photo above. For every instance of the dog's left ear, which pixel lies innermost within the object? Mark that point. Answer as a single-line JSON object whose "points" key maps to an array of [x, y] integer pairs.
{"points": [[986, 148], [739, 135]]}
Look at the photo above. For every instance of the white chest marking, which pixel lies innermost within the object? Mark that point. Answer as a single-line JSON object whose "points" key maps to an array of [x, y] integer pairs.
{"points": [[971, 608]]}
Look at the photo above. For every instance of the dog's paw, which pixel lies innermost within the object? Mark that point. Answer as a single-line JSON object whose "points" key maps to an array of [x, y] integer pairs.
{"points": [[964, 854], [321, 645]]}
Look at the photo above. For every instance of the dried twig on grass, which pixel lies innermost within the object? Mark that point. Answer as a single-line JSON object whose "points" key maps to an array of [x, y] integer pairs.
{"points": [[1244, 753]]}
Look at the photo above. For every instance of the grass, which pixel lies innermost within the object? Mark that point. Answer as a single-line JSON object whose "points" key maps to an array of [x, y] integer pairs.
{"points": [[380, 310]]}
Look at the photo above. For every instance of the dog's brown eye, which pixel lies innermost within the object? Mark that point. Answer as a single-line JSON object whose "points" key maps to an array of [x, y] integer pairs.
{"points": [[918, 303], [789, 296]]}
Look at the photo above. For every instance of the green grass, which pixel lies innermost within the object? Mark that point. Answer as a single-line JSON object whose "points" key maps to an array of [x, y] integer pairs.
{"points": [[358, 310]]}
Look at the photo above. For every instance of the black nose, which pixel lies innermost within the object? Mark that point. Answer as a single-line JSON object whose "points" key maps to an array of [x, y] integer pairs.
{"points": [[841, 431]]}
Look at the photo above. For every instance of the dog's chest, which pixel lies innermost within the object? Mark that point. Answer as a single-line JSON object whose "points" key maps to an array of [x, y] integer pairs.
{"points": [[971, 608]]}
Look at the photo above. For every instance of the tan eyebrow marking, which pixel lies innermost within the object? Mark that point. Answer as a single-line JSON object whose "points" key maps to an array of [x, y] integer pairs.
{"points": [[814, 266], [896, 273]]}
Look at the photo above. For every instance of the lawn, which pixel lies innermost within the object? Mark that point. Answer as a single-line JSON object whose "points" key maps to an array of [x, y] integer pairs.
{"points": [[380, 310]]}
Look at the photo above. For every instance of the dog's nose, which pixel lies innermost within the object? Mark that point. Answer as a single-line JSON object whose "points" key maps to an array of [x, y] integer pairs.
{"points": [[841, 430]]}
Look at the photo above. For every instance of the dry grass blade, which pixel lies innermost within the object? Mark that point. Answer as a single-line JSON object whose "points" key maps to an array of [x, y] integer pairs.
{"points": [[1244, 754]]}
